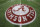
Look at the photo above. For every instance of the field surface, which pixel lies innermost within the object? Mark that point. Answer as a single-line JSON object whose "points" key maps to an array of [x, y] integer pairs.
{"points": [[5, 4]]}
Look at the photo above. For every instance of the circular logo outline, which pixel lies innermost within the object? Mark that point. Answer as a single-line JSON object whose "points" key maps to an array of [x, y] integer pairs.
{"points": [[21, 24]]}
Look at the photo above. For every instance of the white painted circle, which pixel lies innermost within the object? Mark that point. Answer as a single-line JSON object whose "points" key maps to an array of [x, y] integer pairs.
{"points": [[20, 12]]}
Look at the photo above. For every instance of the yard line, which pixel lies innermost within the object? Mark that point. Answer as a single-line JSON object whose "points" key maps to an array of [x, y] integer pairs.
{"points": [[20, 1], [20, 25]]}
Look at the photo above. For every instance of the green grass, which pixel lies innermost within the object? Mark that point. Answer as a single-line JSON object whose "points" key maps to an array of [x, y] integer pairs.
{"points": [[5, 4], [3, 1]]}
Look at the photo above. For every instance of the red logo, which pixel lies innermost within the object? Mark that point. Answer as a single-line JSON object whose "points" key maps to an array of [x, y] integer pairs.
{"points": [[20, 14], [22, 7]]}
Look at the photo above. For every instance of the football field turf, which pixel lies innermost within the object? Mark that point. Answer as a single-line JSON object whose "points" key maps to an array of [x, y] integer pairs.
{"points": [[5, 4]]}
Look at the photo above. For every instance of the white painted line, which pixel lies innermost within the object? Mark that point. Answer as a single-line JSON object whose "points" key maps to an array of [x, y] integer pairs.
{"points": [[20, 25], [20, 1]]}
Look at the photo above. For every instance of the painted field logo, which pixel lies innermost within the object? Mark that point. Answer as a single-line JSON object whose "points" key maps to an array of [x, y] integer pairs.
{"points": [[20, 14]]}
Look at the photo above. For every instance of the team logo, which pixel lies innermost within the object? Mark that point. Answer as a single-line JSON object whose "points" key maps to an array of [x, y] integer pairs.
{"points": [[20, 14]]}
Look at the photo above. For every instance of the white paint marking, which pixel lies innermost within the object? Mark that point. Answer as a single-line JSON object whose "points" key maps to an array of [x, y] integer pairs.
{"points": [[20, 1], [30, 16], [20, 25], [19, 19], [11, 16], [15, 19], [24, 18]]}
